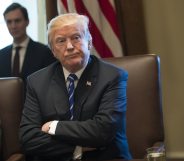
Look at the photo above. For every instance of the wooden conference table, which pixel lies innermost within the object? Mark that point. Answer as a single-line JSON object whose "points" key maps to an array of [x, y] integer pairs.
{"points": [[140, 160], [146, 160]]}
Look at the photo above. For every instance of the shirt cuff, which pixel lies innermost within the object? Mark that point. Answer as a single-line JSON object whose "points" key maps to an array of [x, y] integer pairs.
{"points": [[77, 155], [52, 127]]}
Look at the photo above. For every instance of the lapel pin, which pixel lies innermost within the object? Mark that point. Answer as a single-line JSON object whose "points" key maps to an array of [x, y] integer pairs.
{"points": [[88, 83]]}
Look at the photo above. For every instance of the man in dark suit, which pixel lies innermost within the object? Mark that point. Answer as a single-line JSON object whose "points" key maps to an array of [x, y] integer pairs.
{"points": [[93, 124], [32, 55]]}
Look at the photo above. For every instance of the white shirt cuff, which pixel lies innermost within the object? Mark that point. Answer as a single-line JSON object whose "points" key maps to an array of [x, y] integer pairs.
{"points": [[52, 127], [77, 153]]}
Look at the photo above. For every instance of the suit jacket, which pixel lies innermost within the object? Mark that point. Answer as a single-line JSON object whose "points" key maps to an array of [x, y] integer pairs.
{"points": [[37, 56], [99, 113]]}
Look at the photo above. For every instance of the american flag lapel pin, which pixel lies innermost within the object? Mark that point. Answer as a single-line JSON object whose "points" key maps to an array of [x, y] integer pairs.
{"points": [[88, 83]]}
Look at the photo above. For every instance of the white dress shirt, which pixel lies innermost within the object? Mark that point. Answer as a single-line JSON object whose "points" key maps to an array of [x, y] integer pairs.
{"points": [[52, 128], [22, 52]]}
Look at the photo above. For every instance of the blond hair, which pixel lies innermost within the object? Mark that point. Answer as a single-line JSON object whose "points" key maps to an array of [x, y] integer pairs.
{"points": [[68, 19]]}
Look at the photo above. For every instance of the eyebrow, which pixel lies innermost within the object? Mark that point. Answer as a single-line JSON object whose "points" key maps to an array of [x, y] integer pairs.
{"points": [[11, 20], [72, 34]]}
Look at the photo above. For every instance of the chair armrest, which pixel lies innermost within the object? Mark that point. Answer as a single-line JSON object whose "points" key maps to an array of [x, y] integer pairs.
{"points": [[16, 157], [13, 157]]}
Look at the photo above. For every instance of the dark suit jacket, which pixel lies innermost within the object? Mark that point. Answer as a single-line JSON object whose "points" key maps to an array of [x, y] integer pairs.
{"points": [[37, 56], [99, 113]]}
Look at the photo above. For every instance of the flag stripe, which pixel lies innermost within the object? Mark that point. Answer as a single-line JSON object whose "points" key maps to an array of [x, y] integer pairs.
{"points": [[102, 24], [101, 47], [104, 27], [110, 15], [64, 2], [60, 7], [113, 5]]}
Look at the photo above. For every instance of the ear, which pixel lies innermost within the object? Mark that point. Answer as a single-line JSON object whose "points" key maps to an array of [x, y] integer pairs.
{"points": [[89, 45], [53, 51], [27, 23]]}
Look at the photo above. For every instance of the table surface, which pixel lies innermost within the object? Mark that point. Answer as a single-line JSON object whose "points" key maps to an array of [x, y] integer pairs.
{"points": [[145, 159]]}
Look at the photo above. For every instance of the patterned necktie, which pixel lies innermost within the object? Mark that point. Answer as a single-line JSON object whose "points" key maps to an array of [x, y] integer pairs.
{"points": [[16, 63], [71, 87]]}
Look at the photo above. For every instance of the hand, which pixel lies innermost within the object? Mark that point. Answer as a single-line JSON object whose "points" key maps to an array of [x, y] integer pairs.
{"points": [[45, 127]]}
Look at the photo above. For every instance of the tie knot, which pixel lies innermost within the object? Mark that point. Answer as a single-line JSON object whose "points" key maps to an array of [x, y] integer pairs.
{"points": [[17, 48], [72, 77]]}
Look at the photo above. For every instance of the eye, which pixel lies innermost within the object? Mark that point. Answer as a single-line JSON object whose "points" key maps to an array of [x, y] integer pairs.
{"points": [[18, 21], [8, 22], [76, 38], [60, 41]]}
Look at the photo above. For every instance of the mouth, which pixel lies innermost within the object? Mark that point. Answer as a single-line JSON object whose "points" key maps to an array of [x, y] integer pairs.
{"points": [[72, 56], [14, 32]]}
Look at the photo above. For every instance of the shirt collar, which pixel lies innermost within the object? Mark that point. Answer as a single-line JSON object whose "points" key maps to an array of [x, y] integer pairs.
{"points": [[22, 44], [78, 73]]}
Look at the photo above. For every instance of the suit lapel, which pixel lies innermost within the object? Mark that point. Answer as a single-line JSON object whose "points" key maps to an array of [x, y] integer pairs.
{"points": [[5, 61], [8, 61], [59, 94], [84, 87], [28, 58], [59, 91]]}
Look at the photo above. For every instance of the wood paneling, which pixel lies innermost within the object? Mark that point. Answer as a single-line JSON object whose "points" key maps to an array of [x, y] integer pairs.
{"points": [[51, 9], [131, 22]]}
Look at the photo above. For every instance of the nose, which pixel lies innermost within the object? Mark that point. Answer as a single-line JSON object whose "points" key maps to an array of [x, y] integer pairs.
{"points": [[69, 45]]}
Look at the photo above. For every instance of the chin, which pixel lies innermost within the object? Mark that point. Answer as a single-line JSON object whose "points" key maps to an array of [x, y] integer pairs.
{"points": [[76, 63]]}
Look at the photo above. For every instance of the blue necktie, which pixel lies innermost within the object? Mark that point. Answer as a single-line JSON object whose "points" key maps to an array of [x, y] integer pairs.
{"points": [[71, 87]]}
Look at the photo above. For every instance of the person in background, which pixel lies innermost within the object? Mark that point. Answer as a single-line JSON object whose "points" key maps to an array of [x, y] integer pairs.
{"points": [[76, 107], [31, 55]]}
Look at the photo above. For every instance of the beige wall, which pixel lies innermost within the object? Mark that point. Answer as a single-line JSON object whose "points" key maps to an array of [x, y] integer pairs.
{"points": [[164, 20]]}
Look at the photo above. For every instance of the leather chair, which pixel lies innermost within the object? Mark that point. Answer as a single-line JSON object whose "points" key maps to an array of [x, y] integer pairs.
{"points": [[144, 106], [11, 104]]}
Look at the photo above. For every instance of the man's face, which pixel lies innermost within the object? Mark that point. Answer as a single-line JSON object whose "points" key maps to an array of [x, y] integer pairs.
{"points": [[16, 24], [71, 47]]}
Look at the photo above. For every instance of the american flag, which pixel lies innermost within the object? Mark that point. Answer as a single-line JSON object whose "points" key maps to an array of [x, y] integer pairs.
{"points": [[103, 24]]}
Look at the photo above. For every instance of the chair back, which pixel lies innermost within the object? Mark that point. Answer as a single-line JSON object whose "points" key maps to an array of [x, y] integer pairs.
{"points": [[144, 106], [11, 104]]}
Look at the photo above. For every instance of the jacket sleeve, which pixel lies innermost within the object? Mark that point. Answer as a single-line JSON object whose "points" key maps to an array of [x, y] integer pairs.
{"points": [[32, 139], [108, 122]]}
